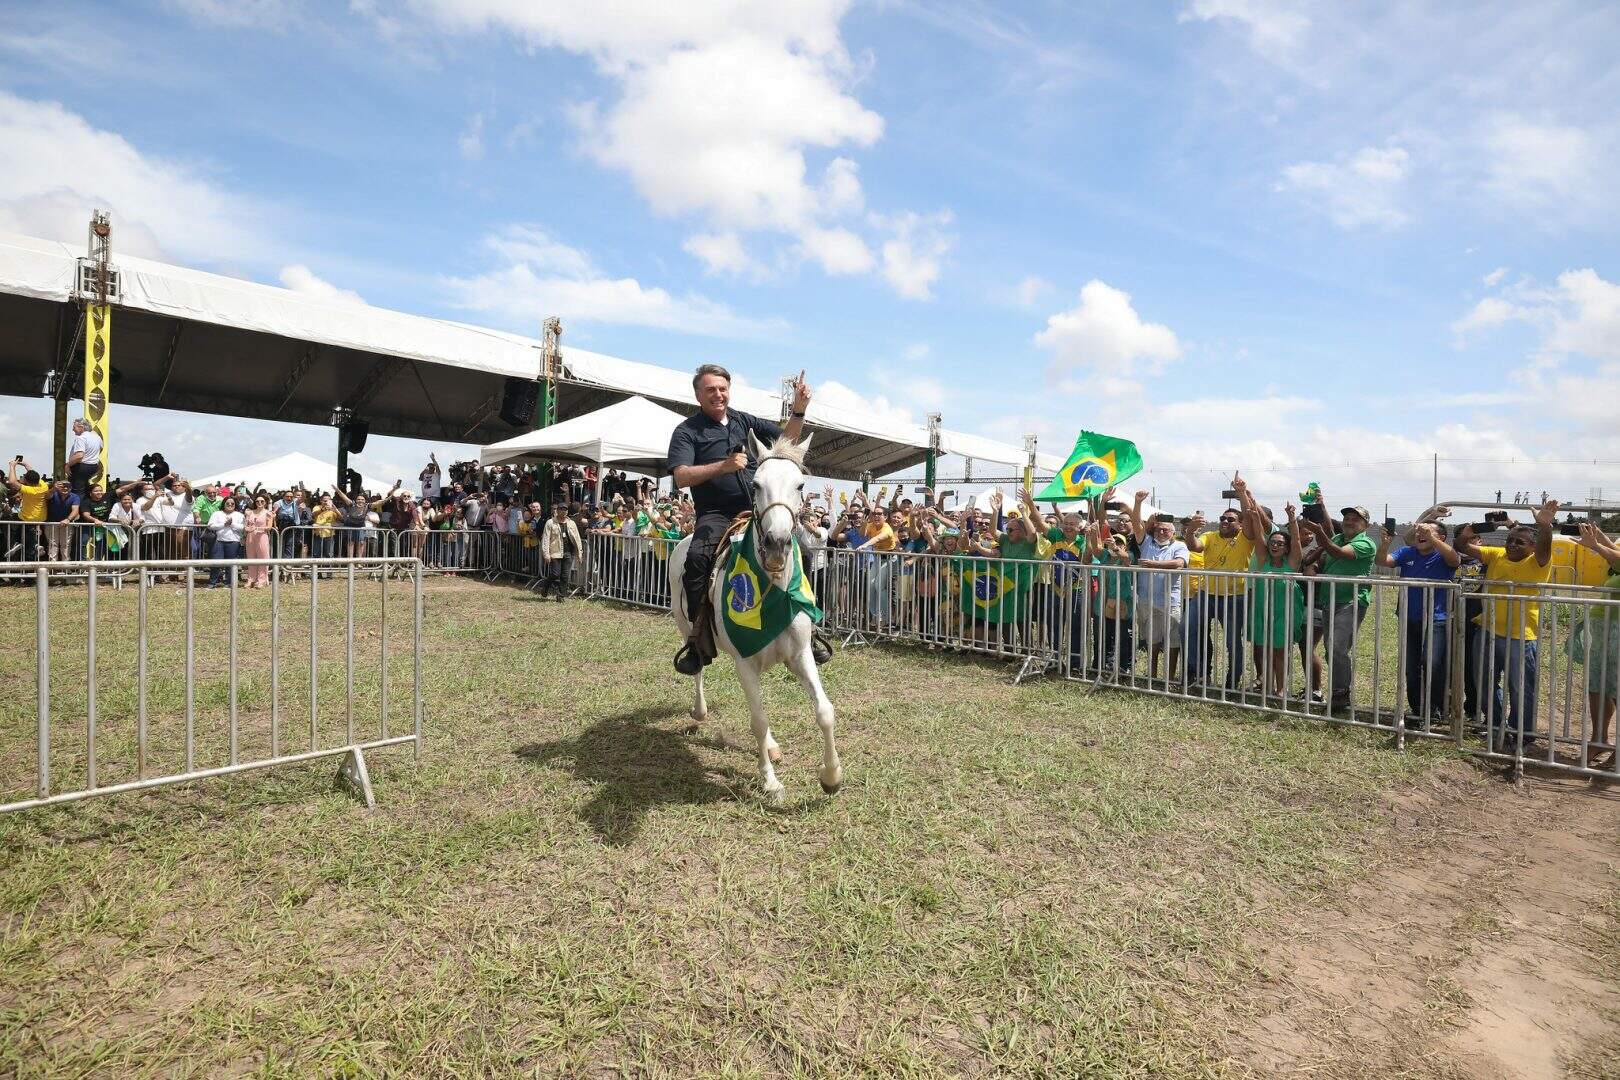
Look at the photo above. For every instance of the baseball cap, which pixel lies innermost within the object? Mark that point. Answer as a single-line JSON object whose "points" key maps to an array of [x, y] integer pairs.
{"points": [[1359, 511]]}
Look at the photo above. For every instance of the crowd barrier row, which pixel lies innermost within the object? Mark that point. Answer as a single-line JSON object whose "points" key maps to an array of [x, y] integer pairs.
{"points": [[1525, 677], [128, 663]]}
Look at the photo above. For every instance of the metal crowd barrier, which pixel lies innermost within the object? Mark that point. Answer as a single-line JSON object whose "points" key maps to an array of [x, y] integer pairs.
{"points": [[1002, 607], [630, 569], [155, 712], [333, 542], [62, 542]]}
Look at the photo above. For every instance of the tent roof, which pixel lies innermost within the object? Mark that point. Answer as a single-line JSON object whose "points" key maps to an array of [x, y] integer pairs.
{"points": [[286, 471], [200, 342], [633, 434]]}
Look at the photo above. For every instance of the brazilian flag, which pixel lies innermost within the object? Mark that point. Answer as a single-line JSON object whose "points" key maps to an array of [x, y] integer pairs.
{"points": [[991, 595], [756, 611], [1097, 463]]}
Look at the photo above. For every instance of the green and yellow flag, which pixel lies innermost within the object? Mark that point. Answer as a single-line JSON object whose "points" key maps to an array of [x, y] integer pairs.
{"points": [[994, 592], [1097, 463], [755, 610]]}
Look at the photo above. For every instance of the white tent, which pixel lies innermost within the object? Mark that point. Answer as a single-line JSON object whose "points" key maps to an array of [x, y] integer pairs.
{"points": [[632, 434], [288, 471]]}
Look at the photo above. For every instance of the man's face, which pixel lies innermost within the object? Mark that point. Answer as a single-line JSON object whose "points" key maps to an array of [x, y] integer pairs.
{"points": [[63, 488], [896, 519], [1354, 524], [1519, 544], [126, 501], [1071, 526], [714, 394], [534, 508], [1163, 532], [1423, 538], [1229, 524]]}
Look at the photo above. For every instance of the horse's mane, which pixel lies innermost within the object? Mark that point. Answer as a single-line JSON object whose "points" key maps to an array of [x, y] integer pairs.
{"points": [[788, 450]]}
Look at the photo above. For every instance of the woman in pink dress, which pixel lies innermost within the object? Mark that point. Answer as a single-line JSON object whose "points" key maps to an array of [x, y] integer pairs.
{"points": [[258, 521]]}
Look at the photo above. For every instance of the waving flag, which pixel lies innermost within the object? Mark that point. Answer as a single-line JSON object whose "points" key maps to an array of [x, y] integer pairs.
{"points": [[1097, 463]]}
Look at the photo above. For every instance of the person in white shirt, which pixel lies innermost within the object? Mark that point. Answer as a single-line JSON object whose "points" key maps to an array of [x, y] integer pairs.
{"points": [[430, 479], [166, 515], [84, 456], [228, 524]]}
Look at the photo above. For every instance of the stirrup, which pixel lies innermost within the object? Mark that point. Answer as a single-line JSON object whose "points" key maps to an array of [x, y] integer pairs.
{"points": [[688, 661], [820, 648]]}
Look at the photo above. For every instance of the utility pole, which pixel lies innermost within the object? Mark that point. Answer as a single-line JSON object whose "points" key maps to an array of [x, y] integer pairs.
{"points": [[1029, 463], [1435, 498], [930, 467]]}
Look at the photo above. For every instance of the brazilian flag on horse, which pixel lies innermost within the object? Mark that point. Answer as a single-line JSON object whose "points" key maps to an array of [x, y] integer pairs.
{"points": [[755, 609], [1097, 463]]}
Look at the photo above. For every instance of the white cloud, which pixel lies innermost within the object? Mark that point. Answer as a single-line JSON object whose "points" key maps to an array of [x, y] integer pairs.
{"points": [[301, 279], [722, 253], [837, 251], [917, 351], [1104, 337], [1540, 164], [1579, 315], [470, 143], [55, 168], [1031, 291], [890, 413], [1354, 192], [722, 106], [541, 276], [1275, 27], [914, 255], [1494, 278]]}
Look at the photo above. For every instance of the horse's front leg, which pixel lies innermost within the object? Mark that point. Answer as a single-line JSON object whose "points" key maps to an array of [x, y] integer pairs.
{"points": [[832, 770], [748, 675], [700, 703]]}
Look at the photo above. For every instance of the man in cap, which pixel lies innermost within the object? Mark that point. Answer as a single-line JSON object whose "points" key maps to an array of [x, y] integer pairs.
{"points": [[1341, 607]]}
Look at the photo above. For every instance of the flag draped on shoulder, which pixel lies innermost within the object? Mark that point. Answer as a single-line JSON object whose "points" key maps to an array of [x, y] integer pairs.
{"points": [[755, 610], [1097, 463]]}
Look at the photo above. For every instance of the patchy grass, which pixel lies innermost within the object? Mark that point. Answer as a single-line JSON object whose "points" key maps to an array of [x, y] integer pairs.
{"points": [[1029, 881]]}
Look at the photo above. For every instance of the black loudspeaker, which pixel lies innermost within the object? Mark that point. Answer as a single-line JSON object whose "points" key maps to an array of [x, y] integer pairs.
{"points": [[354, 435], [519, 400]]}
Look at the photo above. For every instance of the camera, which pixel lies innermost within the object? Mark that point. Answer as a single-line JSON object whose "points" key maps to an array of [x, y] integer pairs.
{"points": [[153, 466]]}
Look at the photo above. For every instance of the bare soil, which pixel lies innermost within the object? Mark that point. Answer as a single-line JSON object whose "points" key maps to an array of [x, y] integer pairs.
{"points": [[1483, 950]]}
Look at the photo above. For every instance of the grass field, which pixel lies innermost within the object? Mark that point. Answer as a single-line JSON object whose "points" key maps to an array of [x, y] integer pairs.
{"points": [[1027, 881]]}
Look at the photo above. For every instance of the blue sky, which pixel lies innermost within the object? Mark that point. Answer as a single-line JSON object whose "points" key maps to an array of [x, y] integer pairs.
{"points": [[1307, 239]]}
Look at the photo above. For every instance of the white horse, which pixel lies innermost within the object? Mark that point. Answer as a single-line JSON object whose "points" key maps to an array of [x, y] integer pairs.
{"points": [[778, 494]]}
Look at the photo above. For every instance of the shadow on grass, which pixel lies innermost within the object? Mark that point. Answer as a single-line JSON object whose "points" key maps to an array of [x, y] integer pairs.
{"points": [[636, 766]]}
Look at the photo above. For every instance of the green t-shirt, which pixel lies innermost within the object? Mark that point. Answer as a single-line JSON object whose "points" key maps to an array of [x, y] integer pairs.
{"points": [[1359, 566], [205, 507], [1023, 572]]}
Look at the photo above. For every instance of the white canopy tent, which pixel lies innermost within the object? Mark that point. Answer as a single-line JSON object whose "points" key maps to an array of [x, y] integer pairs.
{"points": [[288, 471], [632, 434]]}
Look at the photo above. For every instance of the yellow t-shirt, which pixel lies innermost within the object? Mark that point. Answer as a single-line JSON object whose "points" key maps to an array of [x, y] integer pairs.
{"points": [[32, 504], [1195, 582], [324, 517], [1223, 554], [1513, 619], [885, 538]]}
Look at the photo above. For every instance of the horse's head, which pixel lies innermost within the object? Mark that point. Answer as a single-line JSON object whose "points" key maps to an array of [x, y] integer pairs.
{"points": [[778, 495]]}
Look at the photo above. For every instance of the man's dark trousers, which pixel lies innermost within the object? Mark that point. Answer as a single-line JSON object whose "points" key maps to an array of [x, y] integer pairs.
{"points": [[710, 527]]}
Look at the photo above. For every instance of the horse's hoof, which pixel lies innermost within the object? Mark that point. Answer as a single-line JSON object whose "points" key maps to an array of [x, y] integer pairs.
{"points": [[776, 796], [775, 754], [832, 789]]}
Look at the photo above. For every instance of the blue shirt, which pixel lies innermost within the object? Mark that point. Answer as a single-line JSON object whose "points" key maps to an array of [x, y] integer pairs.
{"points": [[1431, 567], [57, 508]]}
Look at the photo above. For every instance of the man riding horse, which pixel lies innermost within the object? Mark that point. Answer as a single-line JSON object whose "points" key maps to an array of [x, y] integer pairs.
{"points": [[709, 454]]}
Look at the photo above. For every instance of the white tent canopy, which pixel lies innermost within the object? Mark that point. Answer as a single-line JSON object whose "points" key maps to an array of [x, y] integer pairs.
{"points": [[631, 434], [288, 471]]}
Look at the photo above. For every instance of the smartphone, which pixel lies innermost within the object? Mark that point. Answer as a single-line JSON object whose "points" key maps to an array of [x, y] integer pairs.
{"points": [[1229, 493], [1569, 528], [920, 489], [1389, 526]]}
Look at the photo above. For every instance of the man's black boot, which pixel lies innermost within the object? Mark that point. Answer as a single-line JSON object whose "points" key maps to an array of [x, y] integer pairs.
{"points": [[820, 648]]}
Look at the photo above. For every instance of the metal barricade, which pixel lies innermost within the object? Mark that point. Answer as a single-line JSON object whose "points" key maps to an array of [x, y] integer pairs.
{"points": [[180, 542], [629, 569], [332, 542], [159, 678], [1002, 607], [63, 542]]}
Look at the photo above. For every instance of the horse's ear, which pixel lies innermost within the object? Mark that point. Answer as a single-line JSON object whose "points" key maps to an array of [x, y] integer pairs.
{"points": [[804, 443], [756, 449]]}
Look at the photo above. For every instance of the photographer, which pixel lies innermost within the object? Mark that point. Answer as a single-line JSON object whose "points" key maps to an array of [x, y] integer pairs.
{"points": [[30, 492]]}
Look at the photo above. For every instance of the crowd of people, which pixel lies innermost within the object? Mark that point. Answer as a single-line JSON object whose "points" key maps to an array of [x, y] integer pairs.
{"points": [[1248, 595]]}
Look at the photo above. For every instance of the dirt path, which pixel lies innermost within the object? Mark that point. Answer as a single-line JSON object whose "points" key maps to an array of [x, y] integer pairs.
{"points": [[1486, 949]]}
